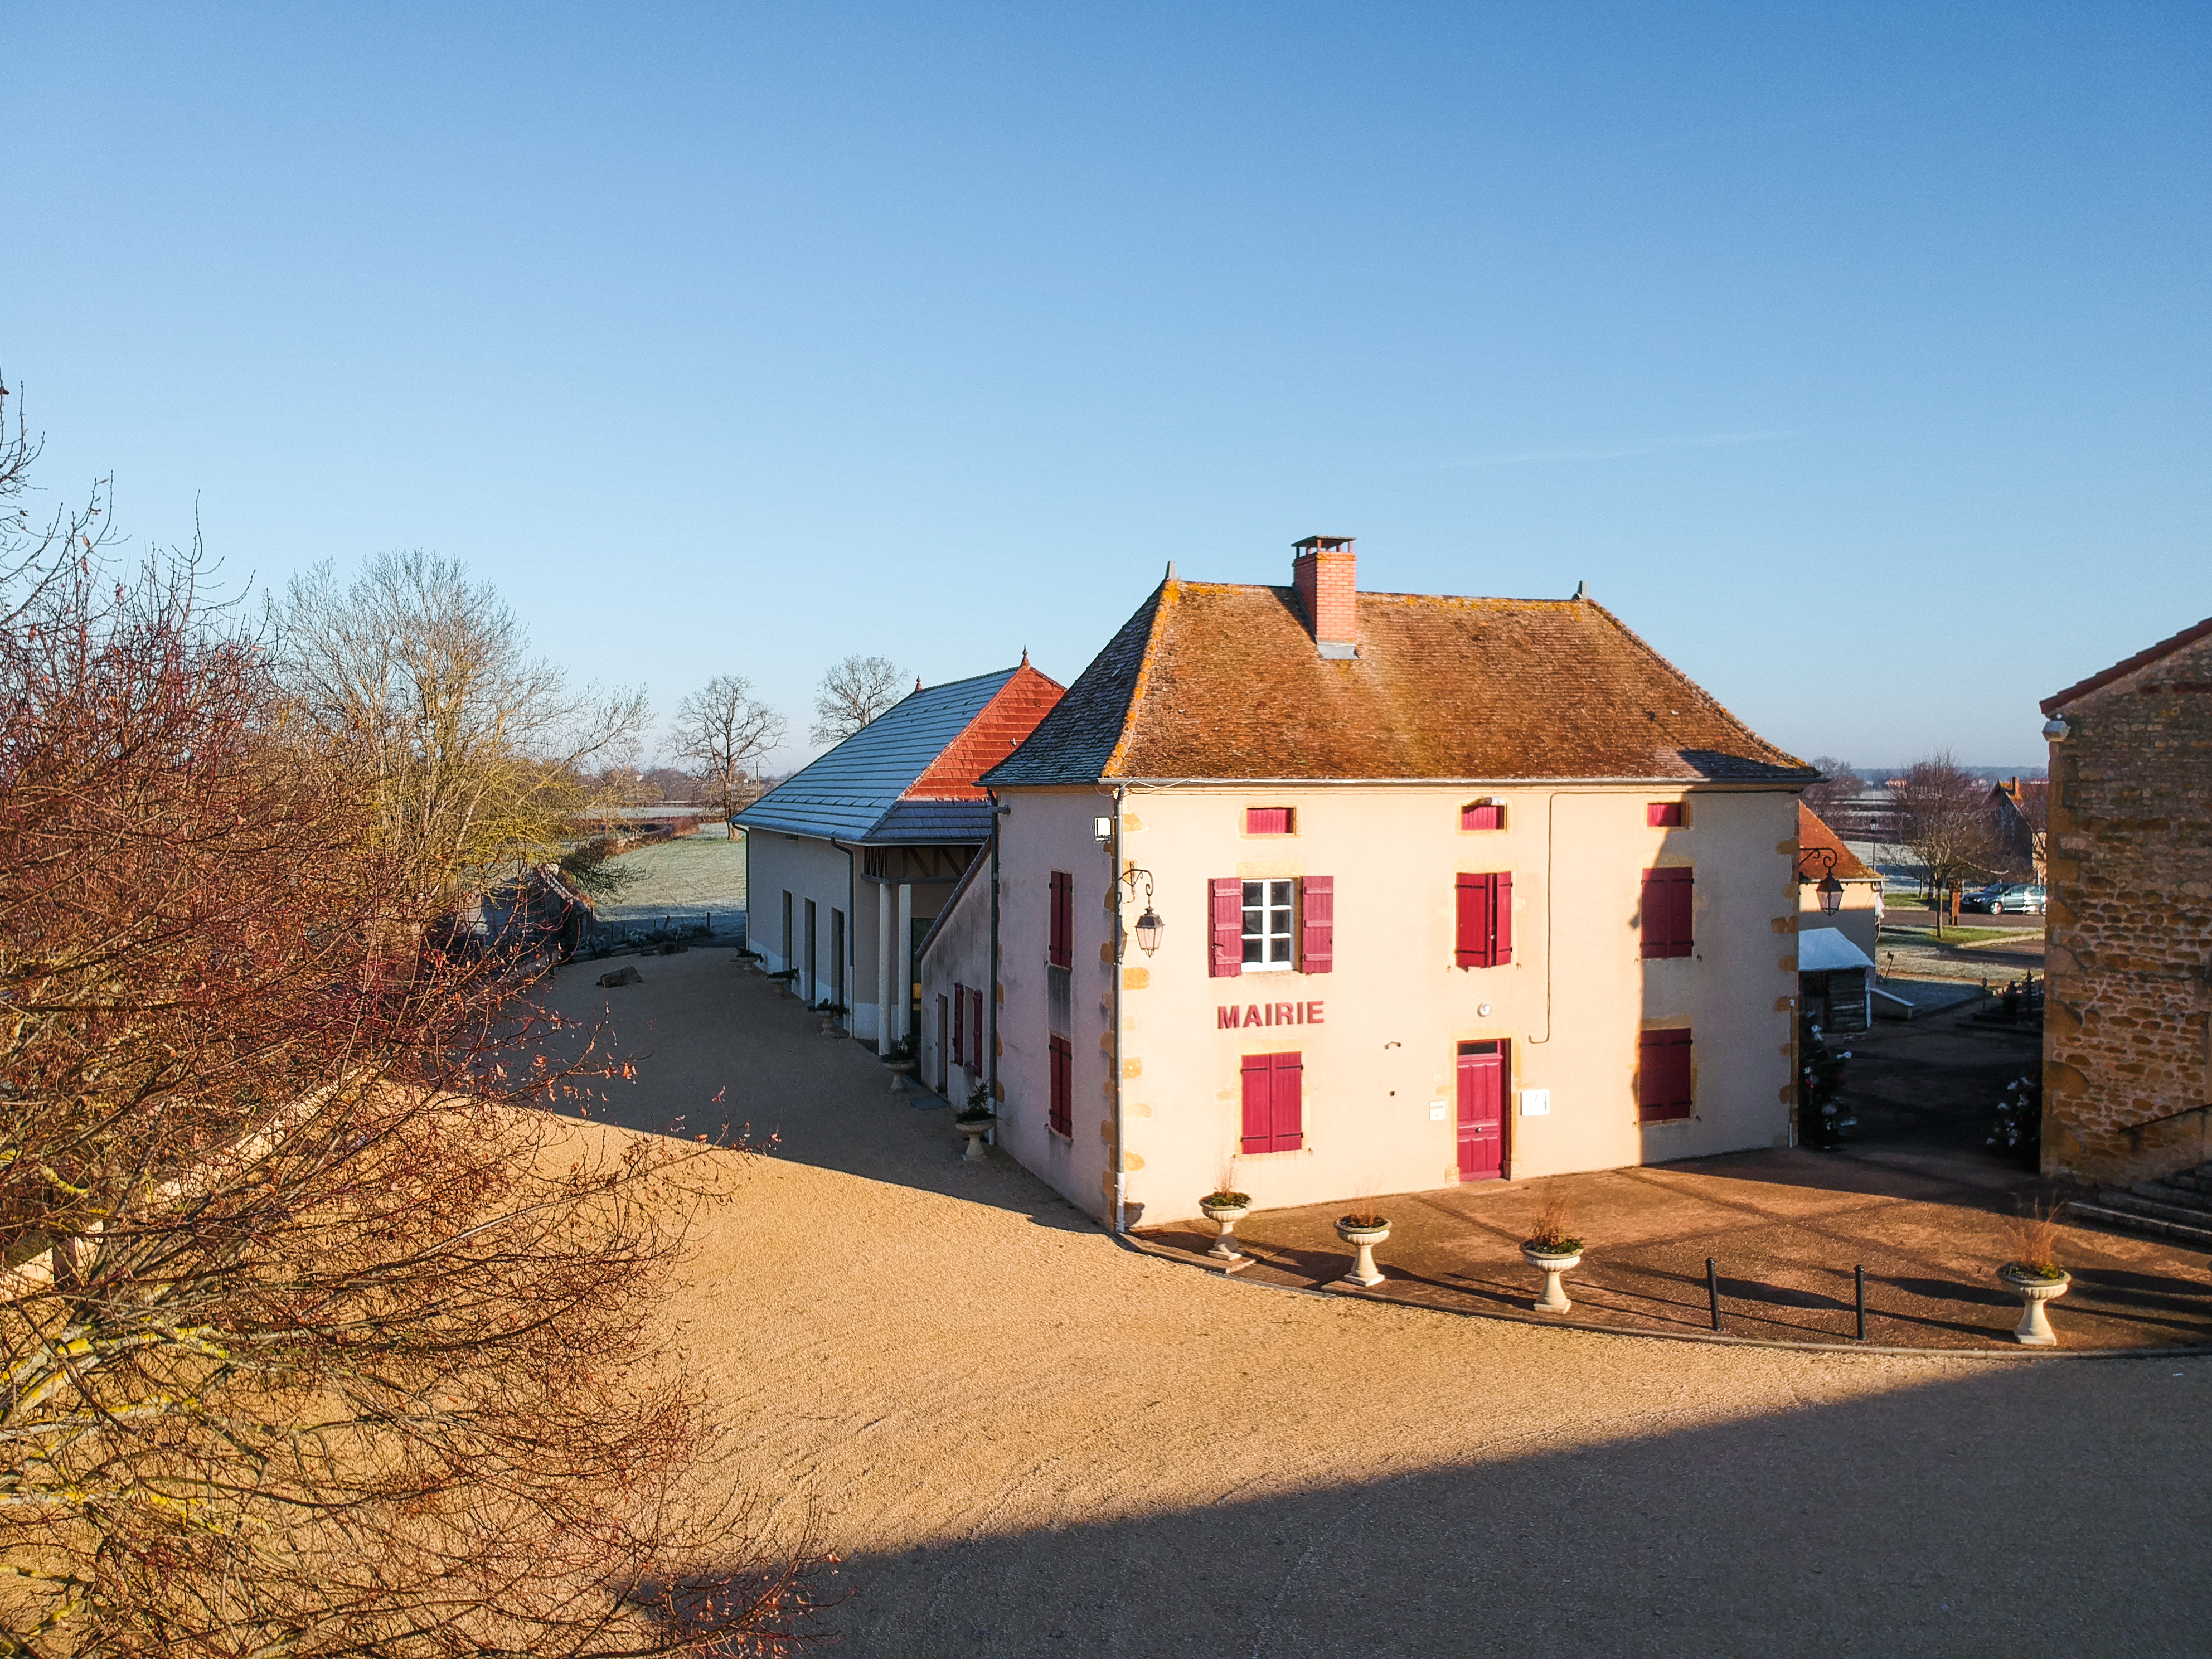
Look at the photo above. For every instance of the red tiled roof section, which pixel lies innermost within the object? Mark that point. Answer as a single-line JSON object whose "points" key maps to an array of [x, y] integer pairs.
{"points": [[2120, 671], [1232, 687], [1815, 835], [997, 730]]}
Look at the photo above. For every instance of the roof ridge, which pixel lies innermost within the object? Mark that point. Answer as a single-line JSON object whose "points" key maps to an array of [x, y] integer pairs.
{"points": [[2127, 666], [1168, 592]]}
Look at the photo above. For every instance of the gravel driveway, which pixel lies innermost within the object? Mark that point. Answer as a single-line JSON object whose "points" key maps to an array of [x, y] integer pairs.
{"points": [[1024, 1439]]}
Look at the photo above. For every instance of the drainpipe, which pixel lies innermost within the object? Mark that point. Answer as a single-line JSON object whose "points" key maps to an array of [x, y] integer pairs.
{"points": [[1121, 1175], [991, 1054]]}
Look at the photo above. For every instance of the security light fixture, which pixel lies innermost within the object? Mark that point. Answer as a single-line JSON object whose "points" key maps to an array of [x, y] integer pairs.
{"points": [[2057, 729]]}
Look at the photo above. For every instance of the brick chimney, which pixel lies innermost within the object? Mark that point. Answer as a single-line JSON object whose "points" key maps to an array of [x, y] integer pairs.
{"points": [[1325, 573]]}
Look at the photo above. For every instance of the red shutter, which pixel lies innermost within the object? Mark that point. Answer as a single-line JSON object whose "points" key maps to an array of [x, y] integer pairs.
{"points": [[1662, 1079], [1481, 817], [1228, 912], [1471, 946], [976, 1027], [1274, 1104], [1318, 943], [1485, 921], [1063, 1087], [1259, 1105], [1663, 814], [1063, 949], [1289, 1103], [1666, 929], [1267, 820], [959, 1023]]}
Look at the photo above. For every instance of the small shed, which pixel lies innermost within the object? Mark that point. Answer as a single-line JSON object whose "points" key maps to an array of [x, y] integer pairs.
{"points": [[1833, 980]]}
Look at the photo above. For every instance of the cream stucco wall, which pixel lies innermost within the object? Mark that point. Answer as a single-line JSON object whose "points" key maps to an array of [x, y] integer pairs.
{"points": [[959, 955], [1379, 1067]]}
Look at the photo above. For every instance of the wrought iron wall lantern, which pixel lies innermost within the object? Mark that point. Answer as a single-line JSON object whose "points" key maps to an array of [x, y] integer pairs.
{"points": [[1148, 925], [1830, 890]]}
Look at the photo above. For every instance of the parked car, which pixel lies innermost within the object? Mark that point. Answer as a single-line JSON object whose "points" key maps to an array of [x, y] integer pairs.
{"points": [[2025, 897]]}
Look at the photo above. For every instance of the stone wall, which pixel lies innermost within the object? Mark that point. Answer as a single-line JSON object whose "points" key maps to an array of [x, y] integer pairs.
{"points": [[2127, 1048]]}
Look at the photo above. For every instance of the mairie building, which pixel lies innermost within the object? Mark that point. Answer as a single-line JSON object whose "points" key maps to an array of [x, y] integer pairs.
{"points": [[1315, 892]]}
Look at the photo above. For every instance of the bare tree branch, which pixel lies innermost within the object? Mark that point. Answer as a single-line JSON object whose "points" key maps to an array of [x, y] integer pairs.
{"points": [[723, 730], [318, 1335], [478, 753], [853, 694], [1836, 785]]}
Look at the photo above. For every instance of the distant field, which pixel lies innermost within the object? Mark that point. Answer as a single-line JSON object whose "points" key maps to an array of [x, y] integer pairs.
{"points": [[705, 871]]}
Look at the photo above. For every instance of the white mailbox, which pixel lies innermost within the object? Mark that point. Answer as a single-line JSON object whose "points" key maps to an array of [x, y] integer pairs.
{"points": [[1536, 1102]]}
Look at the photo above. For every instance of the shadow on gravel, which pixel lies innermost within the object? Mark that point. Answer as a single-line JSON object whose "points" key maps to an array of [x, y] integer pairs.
{"points": [[1900, 1523], [714, 1047]]}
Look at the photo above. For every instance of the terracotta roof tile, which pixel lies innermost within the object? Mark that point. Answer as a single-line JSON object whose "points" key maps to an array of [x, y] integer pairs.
{"points": [[1215, 680], [1815, 835], [2121, 670]]}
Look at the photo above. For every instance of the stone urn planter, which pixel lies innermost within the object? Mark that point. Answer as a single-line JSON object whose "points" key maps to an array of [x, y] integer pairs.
{"points": [[2034, 1326], [1224, 1211], [1363, 1237], [899, 1071], [1551, 1261], [975, 1128]]}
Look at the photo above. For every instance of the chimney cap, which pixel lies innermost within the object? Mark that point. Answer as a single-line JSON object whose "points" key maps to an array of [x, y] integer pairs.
{"points": [[1323, 544]]}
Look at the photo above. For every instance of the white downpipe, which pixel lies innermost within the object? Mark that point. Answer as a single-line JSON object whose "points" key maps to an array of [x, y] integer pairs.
{"points": [[902, 974], [884, 1040]]}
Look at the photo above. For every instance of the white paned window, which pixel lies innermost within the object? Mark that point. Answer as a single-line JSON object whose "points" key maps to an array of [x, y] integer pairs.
{"points": [[1269, 910]]}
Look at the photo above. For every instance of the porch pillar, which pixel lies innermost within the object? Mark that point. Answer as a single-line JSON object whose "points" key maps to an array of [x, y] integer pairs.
{"points": [[884, 1040], [902, 955]]}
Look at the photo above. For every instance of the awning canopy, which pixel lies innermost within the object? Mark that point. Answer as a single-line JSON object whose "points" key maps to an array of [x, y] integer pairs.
{"points": [[1824, 949]]}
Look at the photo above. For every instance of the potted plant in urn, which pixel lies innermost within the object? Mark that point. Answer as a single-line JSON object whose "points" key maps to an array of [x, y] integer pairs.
{"points": [[1225, 1206], [1551, 1250], [900, 1063], [975, 1121], [2034, 1276], [1363, 1227]]}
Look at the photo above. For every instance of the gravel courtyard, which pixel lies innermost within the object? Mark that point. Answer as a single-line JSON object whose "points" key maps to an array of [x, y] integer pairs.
{"points": [[1025, 1439]]}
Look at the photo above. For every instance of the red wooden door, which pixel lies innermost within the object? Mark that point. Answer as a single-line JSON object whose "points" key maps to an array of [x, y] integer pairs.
{"points": [[1481, 1111]]}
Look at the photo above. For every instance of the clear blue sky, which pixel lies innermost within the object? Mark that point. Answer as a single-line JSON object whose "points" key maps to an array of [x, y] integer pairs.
{"points": [[1857, 356]]}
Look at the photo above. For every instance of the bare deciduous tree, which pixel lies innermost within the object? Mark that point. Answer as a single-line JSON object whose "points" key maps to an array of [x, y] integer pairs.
{"points": [[479, 752], [1836, 785], [313, 1339], [1943, 822], [853, 693], [723, 730]]}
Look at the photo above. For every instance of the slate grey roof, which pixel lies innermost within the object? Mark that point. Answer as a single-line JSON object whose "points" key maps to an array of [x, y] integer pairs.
{"points": [[853, 793], [934, 820], [1074, 743]]}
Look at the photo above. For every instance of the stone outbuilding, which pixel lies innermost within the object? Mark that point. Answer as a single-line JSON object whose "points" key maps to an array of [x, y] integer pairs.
{"points": [[1317, 891], [2127, 1044]]}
